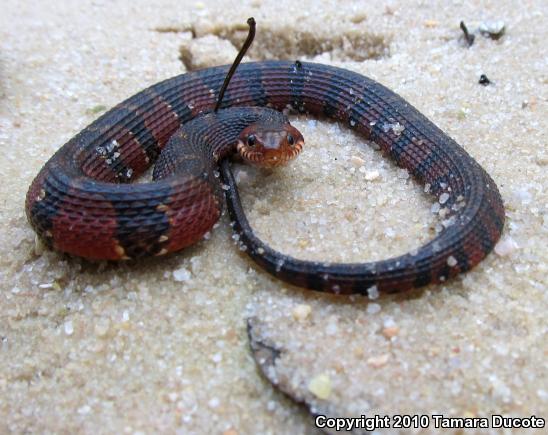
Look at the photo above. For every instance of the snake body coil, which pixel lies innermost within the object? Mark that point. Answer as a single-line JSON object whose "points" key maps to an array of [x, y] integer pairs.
{"points": [[80, 201]]}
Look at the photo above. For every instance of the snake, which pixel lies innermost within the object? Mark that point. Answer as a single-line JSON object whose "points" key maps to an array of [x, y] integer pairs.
{"points": [[82, 201]]}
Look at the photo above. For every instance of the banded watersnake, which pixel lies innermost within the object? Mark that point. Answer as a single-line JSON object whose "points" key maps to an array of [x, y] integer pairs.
{"points": [[80, 202]]}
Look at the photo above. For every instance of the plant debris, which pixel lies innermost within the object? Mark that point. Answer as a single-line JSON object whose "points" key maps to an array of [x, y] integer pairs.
{"points": [[468, 37], [484, 80]]}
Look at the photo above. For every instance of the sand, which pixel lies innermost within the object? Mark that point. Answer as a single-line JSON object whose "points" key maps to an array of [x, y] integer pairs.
{"points": [[161, 345]]}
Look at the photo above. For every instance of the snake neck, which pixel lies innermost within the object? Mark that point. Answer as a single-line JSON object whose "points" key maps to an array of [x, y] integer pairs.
{"points": [[198, 145]]}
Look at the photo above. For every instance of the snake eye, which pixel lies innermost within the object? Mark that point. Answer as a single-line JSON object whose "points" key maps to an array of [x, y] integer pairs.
{"points": [[251, 140], [290, 139]]}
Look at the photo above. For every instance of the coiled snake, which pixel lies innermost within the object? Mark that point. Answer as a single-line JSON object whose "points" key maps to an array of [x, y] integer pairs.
{"points": [[81, 202]]}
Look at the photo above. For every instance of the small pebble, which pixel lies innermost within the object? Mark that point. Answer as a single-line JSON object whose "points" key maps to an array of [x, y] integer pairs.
{"points": [[214, 402], [506, 246], [301, 312], [373, 308], [378, 361], [372, 175], [68, 327], [181, 274], [83, 410], [101, 327], [358, 17], [242, 176], [357, 161], [373, 292], [492, 29], [451, 261], [303, 243], [443, 198], [390, 331], [320, 386], [397, 128], [431, 23]]}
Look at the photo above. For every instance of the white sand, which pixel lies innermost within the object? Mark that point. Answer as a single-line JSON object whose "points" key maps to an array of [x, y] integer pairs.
{"points": [[161, 345]]}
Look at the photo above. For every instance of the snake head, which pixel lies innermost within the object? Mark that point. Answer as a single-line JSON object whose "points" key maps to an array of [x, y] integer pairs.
{"points": [[269, 147]]}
